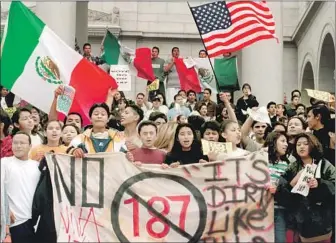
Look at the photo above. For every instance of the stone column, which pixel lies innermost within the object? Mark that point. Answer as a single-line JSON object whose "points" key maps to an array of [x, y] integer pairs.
{"points": [[262, 63], [60, 17], [82, 23]]}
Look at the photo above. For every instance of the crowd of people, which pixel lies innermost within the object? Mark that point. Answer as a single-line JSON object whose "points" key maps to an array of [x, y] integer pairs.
{"points": [[150, 130]]}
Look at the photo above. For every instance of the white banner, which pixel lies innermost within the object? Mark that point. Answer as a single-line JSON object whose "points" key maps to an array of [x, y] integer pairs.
{"points": [[104, 198], [122, 75]]}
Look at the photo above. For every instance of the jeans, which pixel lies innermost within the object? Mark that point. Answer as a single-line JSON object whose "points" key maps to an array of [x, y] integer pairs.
{"points": [[279, 225]]}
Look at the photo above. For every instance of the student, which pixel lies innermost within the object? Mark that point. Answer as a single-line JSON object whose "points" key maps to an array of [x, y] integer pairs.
{"points": [[52, 143], [147, 154], [210, 131], [98, 138], [277, 144], [130, 119], [186, 149], [23, 121], [313, 214], [22, 176], [69, 132]]}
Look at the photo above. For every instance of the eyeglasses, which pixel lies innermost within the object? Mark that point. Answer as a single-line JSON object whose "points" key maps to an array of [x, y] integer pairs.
{"points": [[19, 143]]}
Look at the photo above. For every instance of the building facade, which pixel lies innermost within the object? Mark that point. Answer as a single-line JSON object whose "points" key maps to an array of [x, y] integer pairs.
{"points": [[304, 58]]}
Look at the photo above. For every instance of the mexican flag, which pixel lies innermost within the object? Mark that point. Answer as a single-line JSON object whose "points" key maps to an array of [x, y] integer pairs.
{"points": [[227, 73], [139, 61], [35, 61]]}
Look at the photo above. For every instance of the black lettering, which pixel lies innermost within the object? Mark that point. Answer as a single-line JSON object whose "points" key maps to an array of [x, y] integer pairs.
{"points": [[256, 215], [238, 221], [215, 172], [250, 190], [213, 196], [264, 170], [258, 239], [213, 220], [70, 194], [100, 204], [237, 161], [234, 194]]}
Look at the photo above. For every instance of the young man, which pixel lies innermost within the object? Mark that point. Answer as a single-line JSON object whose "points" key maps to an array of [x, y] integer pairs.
{"points": [[21, 178], [158, 64], [191, 100], [173, 81], [271, 108], [147, 154], [158, 118], [211, 105], [156, 108], [142, 102], [178, 109]]}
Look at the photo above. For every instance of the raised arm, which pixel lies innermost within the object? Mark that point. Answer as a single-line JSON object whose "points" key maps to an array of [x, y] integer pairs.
{"points": [[110, 98], [53, 112], [169, 66], [230, 111]]}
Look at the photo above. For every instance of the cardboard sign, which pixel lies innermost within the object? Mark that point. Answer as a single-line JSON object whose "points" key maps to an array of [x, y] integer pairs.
{"points": [[105, 198], [320, 95], [122, 75], [154, 85], [64, 101], [209, 146]]}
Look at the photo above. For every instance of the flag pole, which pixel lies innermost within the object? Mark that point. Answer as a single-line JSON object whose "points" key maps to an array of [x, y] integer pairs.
{"points": [[213, 70], [102, 43]]}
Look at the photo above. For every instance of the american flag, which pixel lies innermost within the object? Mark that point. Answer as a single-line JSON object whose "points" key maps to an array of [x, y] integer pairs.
{"points": [[230, 26]]}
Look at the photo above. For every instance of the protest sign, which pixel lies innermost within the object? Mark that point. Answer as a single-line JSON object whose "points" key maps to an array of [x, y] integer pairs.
{"points": [[122, 75], [320, 95], [302, 186], [105, 198], [64, 101], [154, 85], [209, 146]]}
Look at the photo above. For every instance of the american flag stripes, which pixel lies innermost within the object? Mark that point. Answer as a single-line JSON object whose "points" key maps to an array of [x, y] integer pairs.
{"points": [[230, 26]]}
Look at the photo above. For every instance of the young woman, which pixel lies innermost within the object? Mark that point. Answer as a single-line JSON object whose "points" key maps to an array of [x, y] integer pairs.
{"points": [[118, 96], [52, 143], [203, 110], [246, 101], [277, 144], [186, 149], [180, 119], [313, 214], [295, 126], [230, 131], [69, 132], [122, 104], [98, 138]]}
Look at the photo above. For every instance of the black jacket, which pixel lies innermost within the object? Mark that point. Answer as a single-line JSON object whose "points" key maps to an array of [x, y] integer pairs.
{"points": [[43, 207]]}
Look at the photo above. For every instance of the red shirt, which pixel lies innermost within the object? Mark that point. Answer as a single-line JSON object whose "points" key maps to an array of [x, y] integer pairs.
{"points": [[6, 147], [149, 156]]}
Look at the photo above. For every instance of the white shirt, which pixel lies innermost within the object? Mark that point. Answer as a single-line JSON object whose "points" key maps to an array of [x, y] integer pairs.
{"points": [[21, 181], [36, 140]]}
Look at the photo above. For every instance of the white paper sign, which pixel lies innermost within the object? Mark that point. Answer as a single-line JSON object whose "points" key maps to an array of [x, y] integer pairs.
{"points": [[189, 62], [64, 101], [301, 186], [121, 73], [260, 115]]}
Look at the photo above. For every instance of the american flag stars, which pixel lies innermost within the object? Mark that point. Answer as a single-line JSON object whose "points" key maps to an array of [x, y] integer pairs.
{"points": [[212, 16]]}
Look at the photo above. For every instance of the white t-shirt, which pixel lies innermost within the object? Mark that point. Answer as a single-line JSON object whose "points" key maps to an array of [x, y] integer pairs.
{"points": [[21, 178], [36, 140]]}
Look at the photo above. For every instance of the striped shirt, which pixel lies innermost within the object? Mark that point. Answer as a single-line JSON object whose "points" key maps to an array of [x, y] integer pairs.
{"points": [[276, 170]]}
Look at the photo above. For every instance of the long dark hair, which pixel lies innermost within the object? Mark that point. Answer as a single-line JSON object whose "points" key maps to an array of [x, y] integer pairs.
{"points": [[315, 147], [116, 102], [271, 143], [196, 145]]}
